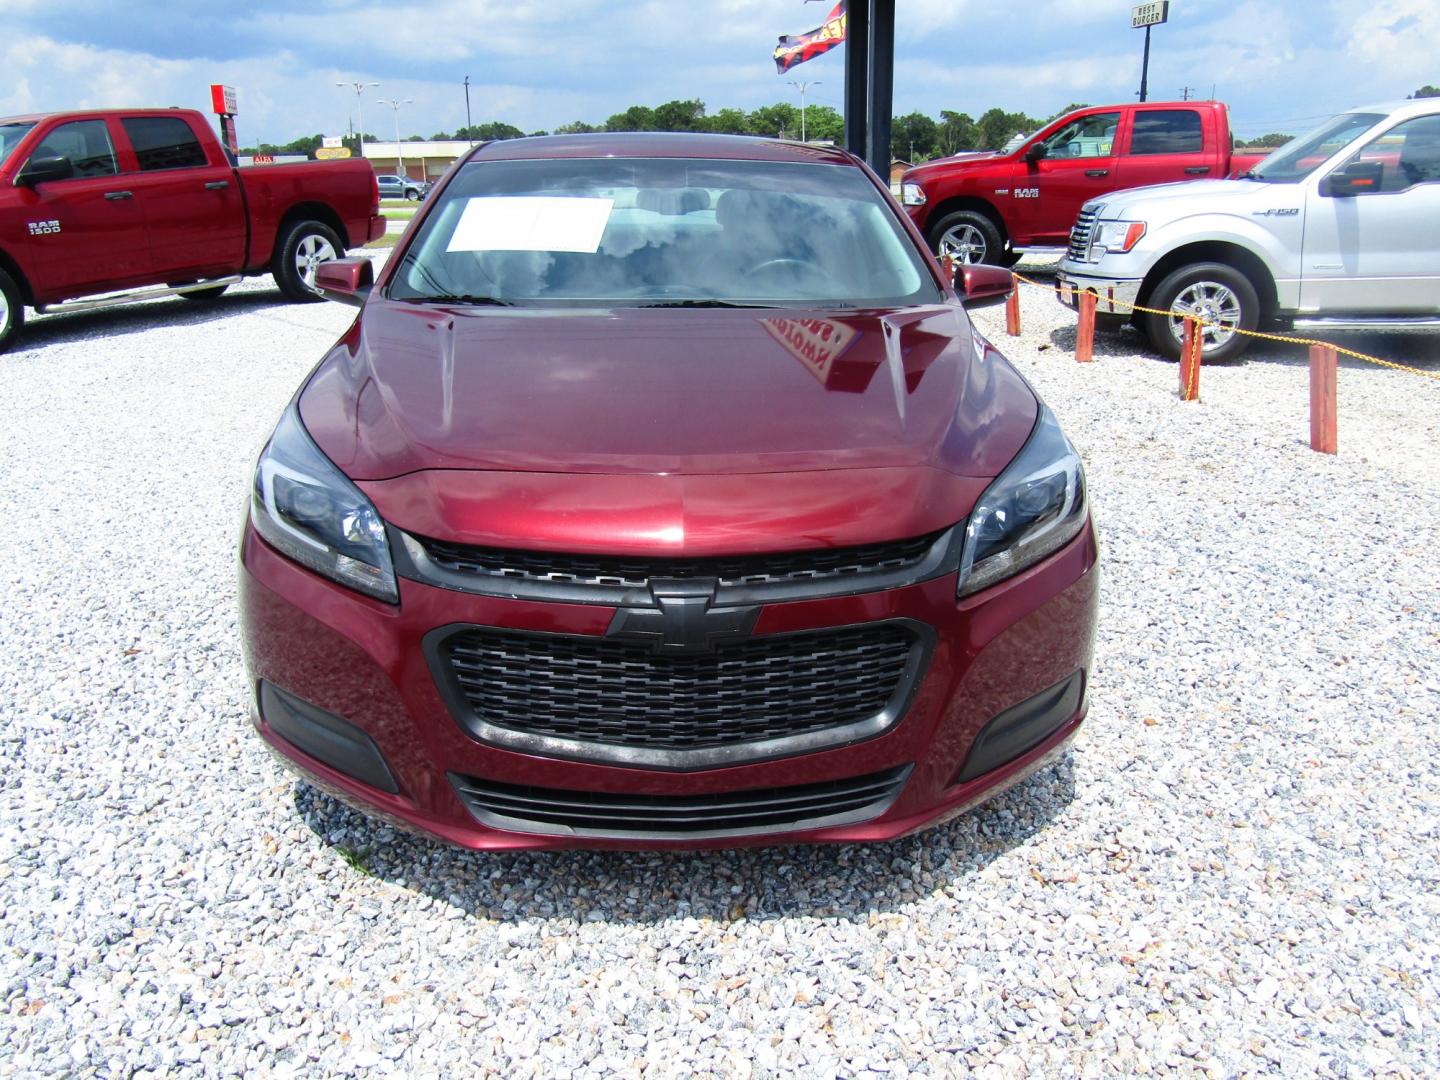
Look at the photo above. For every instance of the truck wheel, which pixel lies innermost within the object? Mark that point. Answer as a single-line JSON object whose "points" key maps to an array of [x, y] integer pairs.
{"points": [[1215, 292], [412, 195], [12, 310], [969, 237], [205, 294], [302, 248]]}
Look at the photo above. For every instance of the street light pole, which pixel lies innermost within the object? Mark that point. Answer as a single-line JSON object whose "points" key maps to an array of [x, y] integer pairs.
{"points": [[395, 104], [359, 88], [802, 87], [468, 133]]}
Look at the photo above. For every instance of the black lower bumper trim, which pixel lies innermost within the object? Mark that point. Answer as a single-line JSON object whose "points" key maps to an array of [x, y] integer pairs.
{"points": [[326, 737], [1023, 727]]}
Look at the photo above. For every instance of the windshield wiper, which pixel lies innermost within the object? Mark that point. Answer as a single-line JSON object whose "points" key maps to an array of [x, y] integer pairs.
{"points": [[705, 303], [460, 298], [1250, 174]]}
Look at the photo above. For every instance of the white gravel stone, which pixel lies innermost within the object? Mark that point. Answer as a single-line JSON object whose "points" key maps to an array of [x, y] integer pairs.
{"points": [[1233, 873]]}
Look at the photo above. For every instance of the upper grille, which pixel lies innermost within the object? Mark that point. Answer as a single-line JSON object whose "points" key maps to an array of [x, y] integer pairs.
{"points": [[1080, 236], [824, 569], [607, 700], [733, 813]]}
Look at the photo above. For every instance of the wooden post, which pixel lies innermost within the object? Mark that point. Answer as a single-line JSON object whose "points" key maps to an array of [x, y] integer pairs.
{"points": [[1190, 361], [1323, 414], [1085, 332], [1012, 309]]}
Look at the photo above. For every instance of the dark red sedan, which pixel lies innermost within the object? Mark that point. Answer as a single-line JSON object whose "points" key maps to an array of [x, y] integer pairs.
{"points": [[663, 495]]}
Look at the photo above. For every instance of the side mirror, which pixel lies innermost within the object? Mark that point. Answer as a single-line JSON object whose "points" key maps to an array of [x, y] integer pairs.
{"points": [[1035, 151], [39, 170], [980, 285], [1357, 178], [346, 280]]}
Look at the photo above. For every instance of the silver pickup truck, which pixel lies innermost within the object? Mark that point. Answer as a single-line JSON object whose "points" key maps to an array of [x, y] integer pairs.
{"points": [[1337, 230]]}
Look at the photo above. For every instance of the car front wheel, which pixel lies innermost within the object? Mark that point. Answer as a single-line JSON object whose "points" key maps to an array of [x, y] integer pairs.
{"points": [[1218, 295], [12, 310], [967, 236]]}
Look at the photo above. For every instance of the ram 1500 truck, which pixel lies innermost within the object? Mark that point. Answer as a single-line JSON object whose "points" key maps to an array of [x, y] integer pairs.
{"points": [[991, 207], [113, 201], [1337, 230]]}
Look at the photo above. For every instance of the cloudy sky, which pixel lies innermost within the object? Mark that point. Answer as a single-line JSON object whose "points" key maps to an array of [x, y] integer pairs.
{"points": [[1281, 64]]}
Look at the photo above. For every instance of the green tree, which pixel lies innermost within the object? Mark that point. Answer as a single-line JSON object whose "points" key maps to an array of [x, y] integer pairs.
{"points": [[307, 146], [1271, 141], [726, 122], [771, 120], [680, 116], [957, 132], [578, 127], [913, 137], [495, 129], [1427, 91], [824, 122], [635, 118], [996, 126]]}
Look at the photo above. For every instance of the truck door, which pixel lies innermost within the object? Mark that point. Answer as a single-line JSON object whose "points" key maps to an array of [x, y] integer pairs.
{"points": [[85, 234], [1079, 163], [1166, 145], [193, 207], [1374, 251]]}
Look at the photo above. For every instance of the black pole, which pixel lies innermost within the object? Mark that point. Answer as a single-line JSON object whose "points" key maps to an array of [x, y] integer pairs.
{"points": [[1145, 65], [468, 134], [882, 84], [857, 74]]}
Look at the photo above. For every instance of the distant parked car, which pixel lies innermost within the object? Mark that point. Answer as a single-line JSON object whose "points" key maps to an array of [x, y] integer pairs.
{"points": [[401, 187]]}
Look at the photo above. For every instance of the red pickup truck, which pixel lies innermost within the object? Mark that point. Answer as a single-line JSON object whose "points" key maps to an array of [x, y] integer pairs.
{"points": [[102, 201], [990, 207]]}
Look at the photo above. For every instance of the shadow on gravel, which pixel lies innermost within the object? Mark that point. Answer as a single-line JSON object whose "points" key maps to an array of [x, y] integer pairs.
{"points": [[851, 882], [61, 327]]}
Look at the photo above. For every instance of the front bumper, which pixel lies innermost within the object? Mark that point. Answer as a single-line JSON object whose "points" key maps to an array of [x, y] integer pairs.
{"points": [[364, 663], [1113, 296]]}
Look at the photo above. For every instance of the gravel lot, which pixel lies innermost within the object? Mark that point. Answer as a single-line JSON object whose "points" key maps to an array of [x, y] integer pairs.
{"points": [[1236, 871]]}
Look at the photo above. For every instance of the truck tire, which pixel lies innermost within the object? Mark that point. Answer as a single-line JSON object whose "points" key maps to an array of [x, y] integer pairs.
{"points": [[969, 236], [412, 194], [1215, 291], [12, 310], [302, 247], [213, 293]]}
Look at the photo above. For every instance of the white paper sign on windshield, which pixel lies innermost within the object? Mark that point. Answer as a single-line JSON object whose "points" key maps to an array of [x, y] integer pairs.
{"points": [[531, 223]]}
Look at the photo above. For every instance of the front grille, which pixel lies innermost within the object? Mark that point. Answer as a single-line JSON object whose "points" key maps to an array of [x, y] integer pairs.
{"points": [[733, 813], [602, 699], [1080, 236], [818, 571]]}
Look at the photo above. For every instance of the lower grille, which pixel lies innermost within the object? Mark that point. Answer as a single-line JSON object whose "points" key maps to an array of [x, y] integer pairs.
{"points": [[605, 700], [1080, 236], [559, 812]]}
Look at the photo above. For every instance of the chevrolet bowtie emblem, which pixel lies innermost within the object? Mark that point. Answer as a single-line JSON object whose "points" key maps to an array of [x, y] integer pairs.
{"points": [[682, 620]]}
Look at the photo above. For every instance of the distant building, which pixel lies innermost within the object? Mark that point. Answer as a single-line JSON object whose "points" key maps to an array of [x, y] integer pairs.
{"points": [[415, 160]]}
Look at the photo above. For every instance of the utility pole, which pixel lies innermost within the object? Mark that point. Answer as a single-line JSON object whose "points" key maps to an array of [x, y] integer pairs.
{"points": [[359, 88], [468, 133], [802, 87], [395, 104], [1185, 92]]}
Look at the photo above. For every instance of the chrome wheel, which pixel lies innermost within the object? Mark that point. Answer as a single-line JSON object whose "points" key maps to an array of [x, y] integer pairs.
{"points": [[963, 243], [309, 254], [1212, 303], [4, 313]]}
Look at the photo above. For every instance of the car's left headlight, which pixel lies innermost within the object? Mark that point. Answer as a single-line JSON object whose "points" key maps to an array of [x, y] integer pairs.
{"points": [[310, 511], [1116, 236], [912, 194], [1034, 508]]}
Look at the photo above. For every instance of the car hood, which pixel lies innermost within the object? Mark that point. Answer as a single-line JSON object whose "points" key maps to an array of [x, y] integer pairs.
{"points": [[1203, 194], [687, 414], [919, 172]]}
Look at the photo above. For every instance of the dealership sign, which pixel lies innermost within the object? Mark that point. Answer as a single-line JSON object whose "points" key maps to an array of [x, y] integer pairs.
{"points": [[332, 153], [1149, 14], [222, 100], [330, 142]]}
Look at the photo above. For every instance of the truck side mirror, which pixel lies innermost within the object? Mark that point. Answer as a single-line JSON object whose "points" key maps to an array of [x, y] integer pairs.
{"points": [[980, 285], [1357, 178], [347, 280], [1035, 151], [39, 170]]}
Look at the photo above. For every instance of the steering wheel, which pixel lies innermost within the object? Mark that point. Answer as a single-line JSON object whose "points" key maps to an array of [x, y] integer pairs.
{"points": [[799, 266]]}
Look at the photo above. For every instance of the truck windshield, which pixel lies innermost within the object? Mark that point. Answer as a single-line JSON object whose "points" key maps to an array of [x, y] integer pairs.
{"points": [[662, 232], [1301, 156], [10, 136]]}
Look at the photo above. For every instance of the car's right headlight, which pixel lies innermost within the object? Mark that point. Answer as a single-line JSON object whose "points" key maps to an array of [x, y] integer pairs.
{"points": [[1034, 508], [912, 194], [307, 509], [1116, 236]]}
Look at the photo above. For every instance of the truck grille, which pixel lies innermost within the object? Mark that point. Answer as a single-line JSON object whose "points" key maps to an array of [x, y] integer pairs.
{"points": [[1080, 236], [607, 700], [733, 813], [731, 571]]}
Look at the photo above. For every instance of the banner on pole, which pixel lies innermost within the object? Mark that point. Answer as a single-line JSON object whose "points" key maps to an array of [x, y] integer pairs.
{"points": [[797, 48]]}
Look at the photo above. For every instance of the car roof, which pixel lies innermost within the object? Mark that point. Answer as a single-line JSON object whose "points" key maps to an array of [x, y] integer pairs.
{"points": [[660, 144]]}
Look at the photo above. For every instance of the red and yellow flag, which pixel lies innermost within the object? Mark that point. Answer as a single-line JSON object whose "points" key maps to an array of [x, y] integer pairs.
{"points": [[797, 48]]}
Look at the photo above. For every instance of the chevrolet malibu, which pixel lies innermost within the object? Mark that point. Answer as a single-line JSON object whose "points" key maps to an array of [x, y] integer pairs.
{"points": [[662, 495]]}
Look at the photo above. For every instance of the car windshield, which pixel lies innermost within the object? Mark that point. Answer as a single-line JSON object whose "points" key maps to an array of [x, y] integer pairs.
{"points": [[663, 232], [1301, 156], [10, 136]]}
